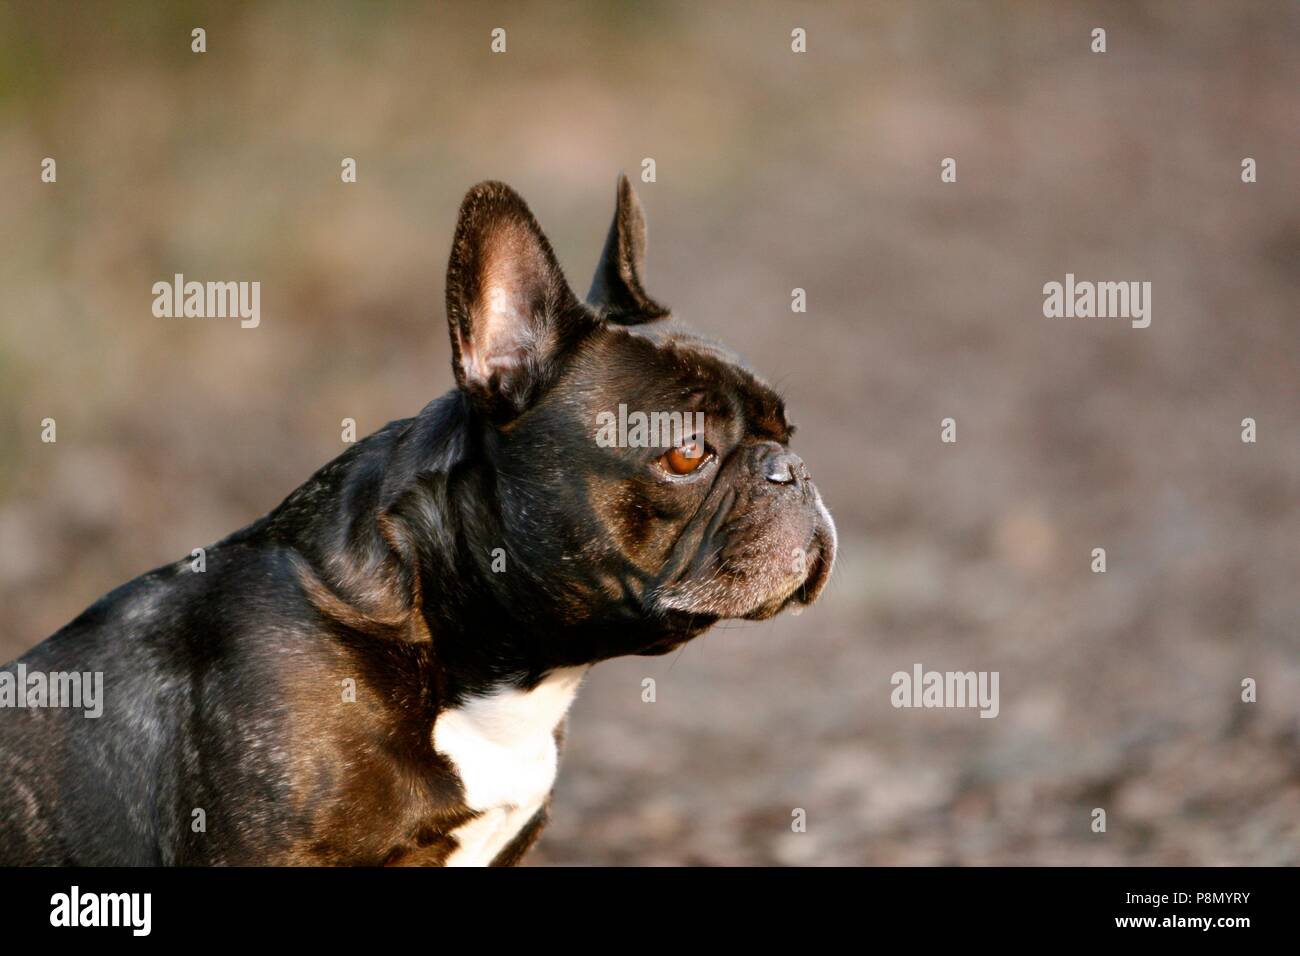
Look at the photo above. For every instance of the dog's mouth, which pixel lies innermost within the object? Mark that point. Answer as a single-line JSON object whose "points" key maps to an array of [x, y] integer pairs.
{"points": [[757, 589], [821, 553]]}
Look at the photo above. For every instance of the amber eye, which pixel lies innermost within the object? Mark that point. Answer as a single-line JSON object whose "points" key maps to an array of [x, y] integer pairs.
{"points": [[685, 458]]}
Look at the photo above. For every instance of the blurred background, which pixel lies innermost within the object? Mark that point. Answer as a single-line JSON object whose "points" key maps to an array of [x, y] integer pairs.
{"points": [[774, 171]]}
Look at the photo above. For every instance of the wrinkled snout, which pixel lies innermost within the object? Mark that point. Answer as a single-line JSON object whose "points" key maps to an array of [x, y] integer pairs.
{"points": [[782, 467]]}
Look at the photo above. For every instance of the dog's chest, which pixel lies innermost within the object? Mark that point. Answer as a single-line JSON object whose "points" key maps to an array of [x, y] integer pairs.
{"points": [[502, 746]]}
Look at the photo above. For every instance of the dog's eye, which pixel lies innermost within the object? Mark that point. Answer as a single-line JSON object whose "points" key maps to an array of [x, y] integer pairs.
{"points": [[685, 458]]}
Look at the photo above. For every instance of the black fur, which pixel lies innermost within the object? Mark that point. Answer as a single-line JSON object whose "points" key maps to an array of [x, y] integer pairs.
{"points": [[224, 688]]}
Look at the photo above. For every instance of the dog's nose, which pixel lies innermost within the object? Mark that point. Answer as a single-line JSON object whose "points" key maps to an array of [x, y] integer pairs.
{"points": [[784, 467]]}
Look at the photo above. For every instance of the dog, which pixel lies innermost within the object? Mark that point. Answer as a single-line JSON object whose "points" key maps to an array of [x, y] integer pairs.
{"points": [[378, 671]]}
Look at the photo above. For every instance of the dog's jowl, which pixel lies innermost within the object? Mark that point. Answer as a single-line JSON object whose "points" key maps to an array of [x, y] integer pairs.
{"points": [[378, 671]]}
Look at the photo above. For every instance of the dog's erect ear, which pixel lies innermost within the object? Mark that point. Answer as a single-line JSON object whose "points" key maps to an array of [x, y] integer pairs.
{"points": [[616, 289], [510, 310]]}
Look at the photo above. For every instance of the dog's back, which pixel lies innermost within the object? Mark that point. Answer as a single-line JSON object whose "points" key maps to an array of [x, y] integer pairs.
{"points": [[82, 789], [223, 709]]}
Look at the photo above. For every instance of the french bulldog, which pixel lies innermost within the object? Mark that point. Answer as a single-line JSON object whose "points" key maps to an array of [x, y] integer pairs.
{"points": [[378, 671]]}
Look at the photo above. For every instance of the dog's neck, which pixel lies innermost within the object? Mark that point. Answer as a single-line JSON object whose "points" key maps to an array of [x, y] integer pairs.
{"points": [[379, 533]]}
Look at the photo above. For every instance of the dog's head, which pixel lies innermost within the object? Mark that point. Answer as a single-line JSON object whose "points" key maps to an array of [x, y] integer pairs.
{"points": [[642, 476]]}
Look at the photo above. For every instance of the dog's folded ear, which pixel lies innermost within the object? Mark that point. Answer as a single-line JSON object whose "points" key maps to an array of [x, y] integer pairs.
{"points": [[510, 311], [616, 290]]}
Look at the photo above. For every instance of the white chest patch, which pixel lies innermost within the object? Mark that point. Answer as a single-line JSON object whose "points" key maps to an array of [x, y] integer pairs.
{"points": [[502, 746]]}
